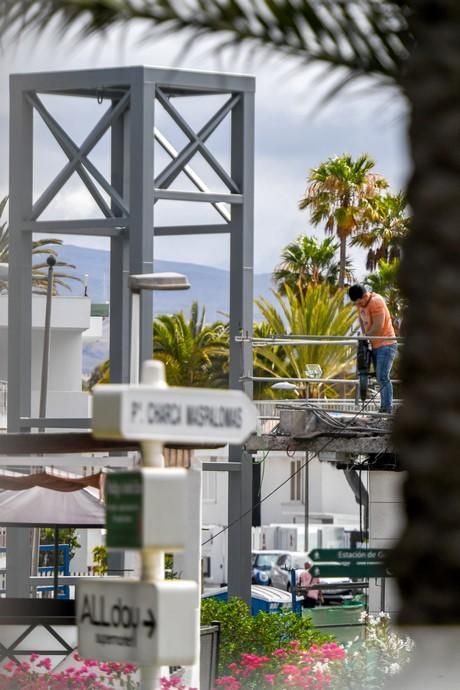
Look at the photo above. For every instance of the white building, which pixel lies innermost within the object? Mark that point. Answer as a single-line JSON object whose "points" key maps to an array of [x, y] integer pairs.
{"points": [[71, 326], [332, 505], [70, 319]]}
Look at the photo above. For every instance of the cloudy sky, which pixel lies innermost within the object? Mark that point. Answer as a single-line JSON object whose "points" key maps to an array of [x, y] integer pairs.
{"points": [[292, 133]]}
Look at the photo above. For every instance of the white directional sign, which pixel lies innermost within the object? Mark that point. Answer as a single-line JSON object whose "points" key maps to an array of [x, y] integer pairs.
{"points": [[141, 622], [183, 415]]}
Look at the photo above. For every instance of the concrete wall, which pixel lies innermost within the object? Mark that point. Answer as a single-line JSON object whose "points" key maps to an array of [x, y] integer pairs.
{"points": [[70, 317], [386, 521], [329, 492]]}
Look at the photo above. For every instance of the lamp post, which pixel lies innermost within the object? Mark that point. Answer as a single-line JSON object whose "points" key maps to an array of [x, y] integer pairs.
{"points": [[3, 271], [51, 261], [147, 281], [137, 283]]}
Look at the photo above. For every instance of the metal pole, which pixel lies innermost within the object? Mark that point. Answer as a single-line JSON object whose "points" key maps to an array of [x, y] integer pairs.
{"points": [[307, 503], [153, 562], [382, 594], [56, 561], [135, 338], [51, 261]]}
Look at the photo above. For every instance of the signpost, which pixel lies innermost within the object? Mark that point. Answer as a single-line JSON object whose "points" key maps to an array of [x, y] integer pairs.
{"points": [[139, 622], [355, 563], [153, 623], [137, 503], [182, 415], [349, 555], [355, 570]]}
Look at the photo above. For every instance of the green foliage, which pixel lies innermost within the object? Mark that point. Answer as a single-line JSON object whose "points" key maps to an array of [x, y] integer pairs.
{"points": [[368, 664], [242, 633], [41, 249], [384, 281], [339, 195], [388, 227], [307, 262], [193, 352], [170, 573], [100, 563], [365, 37], [67, 535], [100, 374], [317, 313]]}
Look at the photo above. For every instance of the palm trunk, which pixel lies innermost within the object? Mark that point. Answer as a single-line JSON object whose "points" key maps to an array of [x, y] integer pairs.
{"points": [[342, 261], [427, 430]]}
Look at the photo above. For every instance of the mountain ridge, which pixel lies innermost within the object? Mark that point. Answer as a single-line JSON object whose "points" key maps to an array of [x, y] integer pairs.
{"points": [[209, 287]]}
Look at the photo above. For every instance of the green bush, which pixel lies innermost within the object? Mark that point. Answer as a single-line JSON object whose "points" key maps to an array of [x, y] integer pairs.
{"points": [[241, 633]]}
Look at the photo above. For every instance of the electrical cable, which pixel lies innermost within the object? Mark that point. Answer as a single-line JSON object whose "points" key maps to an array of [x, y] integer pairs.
{"points": [[323, 416], [261, 462], [314, 455]]}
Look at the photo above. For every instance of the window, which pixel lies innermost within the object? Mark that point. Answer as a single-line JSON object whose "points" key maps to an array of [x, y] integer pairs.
{"points": [[206, 566], [210, 487], [297, 480]]}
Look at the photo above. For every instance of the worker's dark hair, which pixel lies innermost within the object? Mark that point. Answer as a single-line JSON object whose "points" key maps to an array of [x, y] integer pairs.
{"points": [[356, 292]]}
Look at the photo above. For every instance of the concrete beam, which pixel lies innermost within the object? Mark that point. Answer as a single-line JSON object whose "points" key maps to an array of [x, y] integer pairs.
{"points": [[361, 445]]}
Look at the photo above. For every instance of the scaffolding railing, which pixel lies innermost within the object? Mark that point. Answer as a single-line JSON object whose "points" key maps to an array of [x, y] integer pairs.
{"points": [[351, 405]]}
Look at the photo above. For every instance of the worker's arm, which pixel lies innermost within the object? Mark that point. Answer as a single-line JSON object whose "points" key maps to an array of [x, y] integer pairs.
{"points": [[377, 324]]}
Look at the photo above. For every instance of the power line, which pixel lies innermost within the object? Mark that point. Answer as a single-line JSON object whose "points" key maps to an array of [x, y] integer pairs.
{"points": [[314, 455]]}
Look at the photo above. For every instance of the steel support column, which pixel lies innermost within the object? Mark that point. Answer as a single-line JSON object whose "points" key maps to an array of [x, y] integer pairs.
{"points": [[141, 143], [119, 260], [241, 318], [20, 258], [125, 214]]}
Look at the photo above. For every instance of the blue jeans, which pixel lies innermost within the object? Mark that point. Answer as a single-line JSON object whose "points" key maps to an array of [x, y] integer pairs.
{"points": [[383, 360]]}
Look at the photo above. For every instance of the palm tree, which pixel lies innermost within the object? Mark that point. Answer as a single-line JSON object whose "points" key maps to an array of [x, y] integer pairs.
{"points": [[308, 262], [392, 40], [388, 227], [40, 249], [339, 193], [316, 312], [371, 39], [384, 280], [426, 428], [194, 353]]}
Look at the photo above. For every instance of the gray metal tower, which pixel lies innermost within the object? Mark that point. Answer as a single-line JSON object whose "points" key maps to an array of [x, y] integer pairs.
{"points": [[126, 199]]}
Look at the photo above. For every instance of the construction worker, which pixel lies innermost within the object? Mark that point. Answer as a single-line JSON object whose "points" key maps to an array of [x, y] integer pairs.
{"points": [[375, 320]]}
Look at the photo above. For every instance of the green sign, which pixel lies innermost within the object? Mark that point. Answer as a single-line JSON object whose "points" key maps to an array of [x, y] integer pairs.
{"points": [[349, 555], [124, 510], [354, 570]]}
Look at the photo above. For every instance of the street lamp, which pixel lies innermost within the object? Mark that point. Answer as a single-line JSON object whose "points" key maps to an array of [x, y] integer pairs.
{"points": [[284, 386], [147, 281]]}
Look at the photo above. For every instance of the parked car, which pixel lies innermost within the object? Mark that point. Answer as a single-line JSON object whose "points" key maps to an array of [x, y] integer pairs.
{"points": [[262, 562], [280, 576]]}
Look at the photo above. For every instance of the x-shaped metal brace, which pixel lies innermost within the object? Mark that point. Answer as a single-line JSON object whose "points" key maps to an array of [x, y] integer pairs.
{"points": [[196, 143], [12, 649], [78, 159]]}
